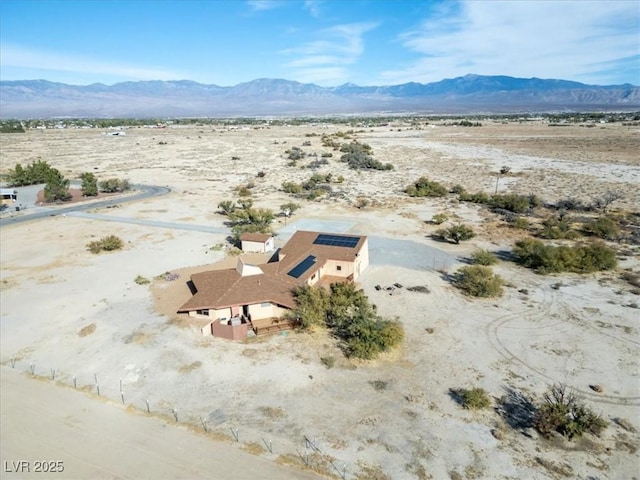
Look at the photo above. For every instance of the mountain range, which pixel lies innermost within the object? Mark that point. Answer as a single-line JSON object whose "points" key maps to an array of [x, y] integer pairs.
{"points": [[275, 97]]}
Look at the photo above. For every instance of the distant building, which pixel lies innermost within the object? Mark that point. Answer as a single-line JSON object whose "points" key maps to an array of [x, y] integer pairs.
{"points": [[256, 297], [9, 196]]}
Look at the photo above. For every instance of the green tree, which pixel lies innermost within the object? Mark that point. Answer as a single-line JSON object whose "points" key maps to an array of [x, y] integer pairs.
{"points": [[227, 207], [456, 233], [89, 184], [289, 208], [57, 187]]}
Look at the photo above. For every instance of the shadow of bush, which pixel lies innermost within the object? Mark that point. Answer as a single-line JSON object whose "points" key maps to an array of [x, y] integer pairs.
{"points": [[517, 409]]}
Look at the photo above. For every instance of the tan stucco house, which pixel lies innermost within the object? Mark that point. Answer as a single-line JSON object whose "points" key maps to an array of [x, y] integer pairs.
{"points": [[255, 297]]}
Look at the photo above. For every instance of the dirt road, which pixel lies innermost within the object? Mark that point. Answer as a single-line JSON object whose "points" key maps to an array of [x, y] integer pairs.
{"points": [[45, 427]]}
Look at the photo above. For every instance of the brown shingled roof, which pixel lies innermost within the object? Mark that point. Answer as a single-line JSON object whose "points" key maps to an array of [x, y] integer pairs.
{"points": [[255, 237], [226, 288]]}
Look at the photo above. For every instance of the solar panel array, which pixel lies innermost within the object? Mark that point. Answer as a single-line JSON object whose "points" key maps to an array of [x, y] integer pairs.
{"points": [[336, 240], [302, 267]]}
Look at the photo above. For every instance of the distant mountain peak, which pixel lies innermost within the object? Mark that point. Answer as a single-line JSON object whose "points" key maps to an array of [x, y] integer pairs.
{"points": [[470, 93]]}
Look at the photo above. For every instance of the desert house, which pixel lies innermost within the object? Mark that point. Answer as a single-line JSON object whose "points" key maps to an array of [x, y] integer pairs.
{"points": [[9, 196], [257, 242], [253, 298]]}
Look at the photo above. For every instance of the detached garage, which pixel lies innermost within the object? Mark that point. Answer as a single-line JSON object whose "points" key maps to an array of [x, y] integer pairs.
{"points": [[257, 242]]}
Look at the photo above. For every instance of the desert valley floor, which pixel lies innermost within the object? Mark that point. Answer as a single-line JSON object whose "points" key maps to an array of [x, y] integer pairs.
{"points": [[79, 317]]}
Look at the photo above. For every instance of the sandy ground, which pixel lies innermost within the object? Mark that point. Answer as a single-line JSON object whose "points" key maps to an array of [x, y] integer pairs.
{"points": [[84, 316], [75, 435]]}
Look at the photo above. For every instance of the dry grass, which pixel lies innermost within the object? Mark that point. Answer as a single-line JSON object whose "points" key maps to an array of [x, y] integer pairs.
{"points": [[190, 367], [88, 330]]}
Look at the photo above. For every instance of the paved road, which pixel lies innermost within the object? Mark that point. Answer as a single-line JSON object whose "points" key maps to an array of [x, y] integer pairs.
{"points": [[150, 223], [146, 191], [99, 440]]}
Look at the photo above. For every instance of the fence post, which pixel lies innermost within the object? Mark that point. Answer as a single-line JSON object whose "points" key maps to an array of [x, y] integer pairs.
{"points": [[148, 409]]}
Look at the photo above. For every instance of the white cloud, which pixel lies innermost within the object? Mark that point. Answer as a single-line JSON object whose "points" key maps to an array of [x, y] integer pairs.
{"points": [[260, 5], [552, 39], [313, 6], [324, 60], [51, 64]]}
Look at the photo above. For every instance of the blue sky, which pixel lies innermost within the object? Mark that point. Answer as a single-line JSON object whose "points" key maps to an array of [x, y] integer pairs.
{"points": [[326, 42]]}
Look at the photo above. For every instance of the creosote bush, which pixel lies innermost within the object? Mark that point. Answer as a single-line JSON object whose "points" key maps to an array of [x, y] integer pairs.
{"points": [[455, 233], [423, 187], [565, 413], [107, 244], [478, 281], [474, 399], [439, 218], [563, 258], [603, 227], [484, 257]]}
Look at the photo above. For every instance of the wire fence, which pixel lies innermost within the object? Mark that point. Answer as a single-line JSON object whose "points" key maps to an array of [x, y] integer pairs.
{"points": [[306, 452]]}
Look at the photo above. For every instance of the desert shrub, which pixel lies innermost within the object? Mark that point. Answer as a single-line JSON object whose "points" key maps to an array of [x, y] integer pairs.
{"points": [[329, 361], [316, 193], [326, 155], [478, 197], [261, 174], [514, 203], [474, 399], [108, 243], [565, 413], [340, 179], [456, 233], [570, 204], [358, 157], [291, 187], [140, 280], [244, 191], [478, 281], [113, 185], [558, 228], [484, 257], [362, 202], [439, 218], [423, 187], [553, 259], [318, 163], [603, 227], [295, 153], [458, 189], [519, 223]]}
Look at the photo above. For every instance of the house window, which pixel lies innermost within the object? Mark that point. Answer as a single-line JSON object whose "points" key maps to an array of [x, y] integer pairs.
{"points": [[265, 304], [313, 276], [203, 312], [339, 268]]}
